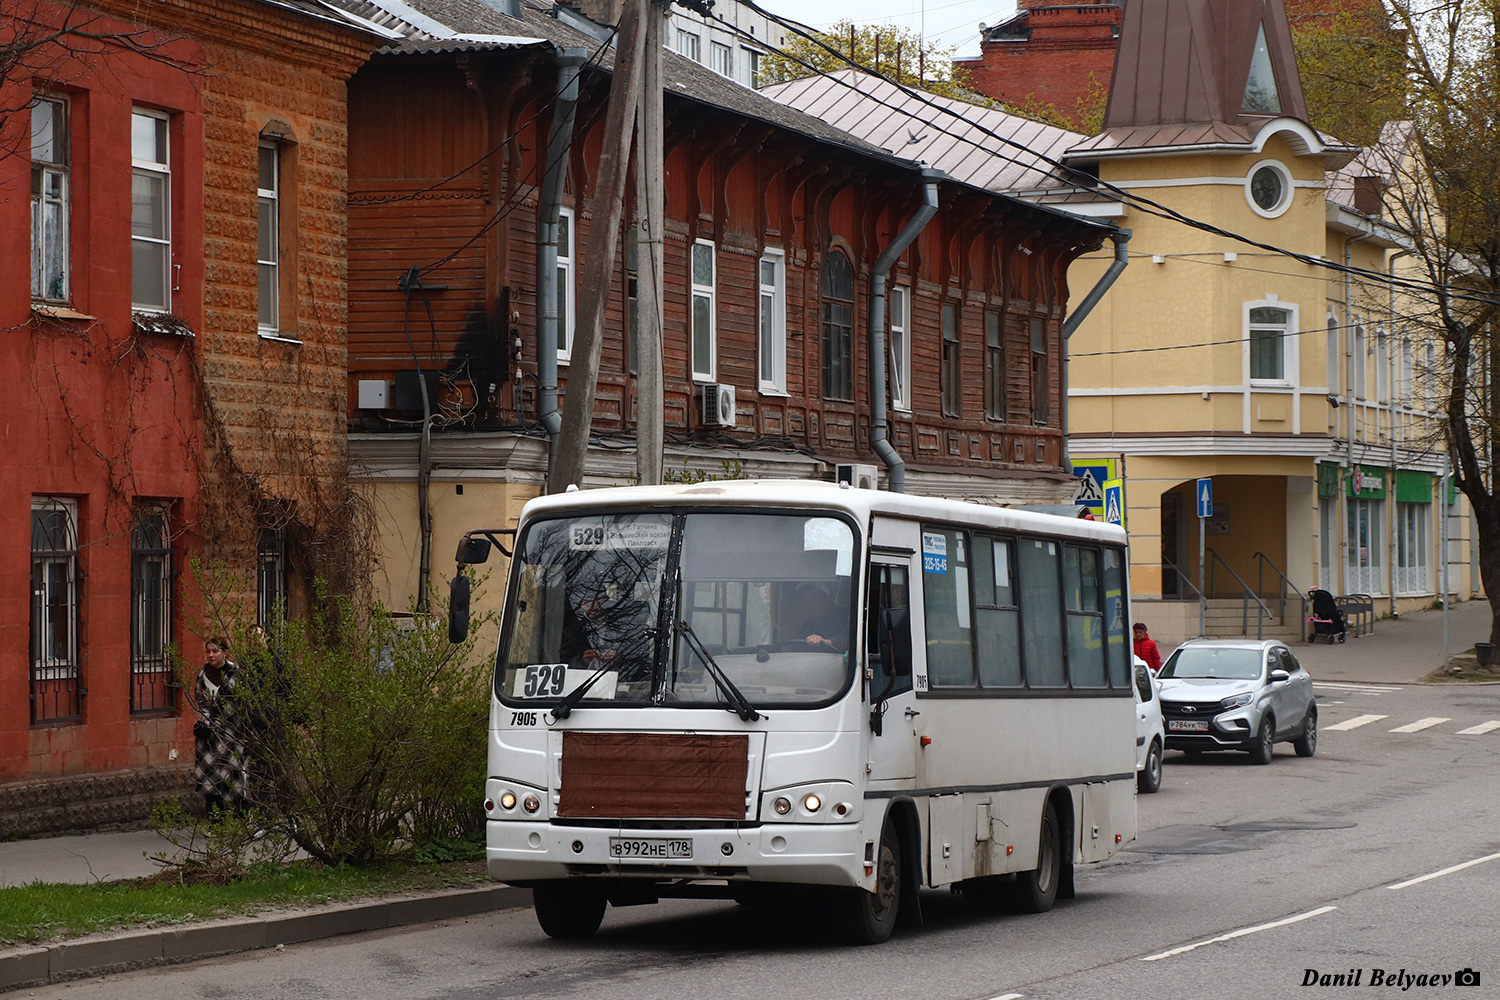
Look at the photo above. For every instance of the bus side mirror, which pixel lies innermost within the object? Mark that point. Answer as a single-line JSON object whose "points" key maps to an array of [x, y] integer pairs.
{"points": [[473, 550], [895, 642], [458, 606]]}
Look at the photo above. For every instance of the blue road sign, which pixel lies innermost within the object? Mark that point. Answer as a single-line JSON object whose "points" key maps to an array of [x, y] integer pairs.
{"points": [[1205, 498], [1114, 502]]}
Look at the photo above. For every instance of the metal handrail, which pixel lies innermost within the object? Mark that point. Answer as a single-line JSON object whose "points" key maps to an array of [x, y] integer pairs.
{"points": [[1183, 578], [1263, 561], [1260, 624]]}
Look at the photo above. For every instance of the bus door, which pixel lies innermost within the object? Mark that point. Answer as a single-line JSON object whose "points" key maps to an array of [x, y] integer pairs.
{"points": [[893, 735]]}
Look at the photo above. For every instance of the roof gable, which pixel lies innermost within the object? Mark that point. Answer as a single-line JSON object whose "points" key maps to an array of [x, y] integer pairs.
{"points": [[1204, 62]]}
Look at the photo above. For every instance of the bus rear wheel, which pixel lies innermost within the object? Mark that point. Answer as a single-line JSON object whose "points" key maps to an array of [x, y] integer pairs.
{"points": [[1036, 890], [568, 909], [869, 917]]}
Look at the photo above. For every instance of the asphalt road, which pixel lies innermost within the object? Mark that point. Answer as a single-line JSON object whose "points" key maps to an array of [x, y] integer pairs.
{"points": [[1304, 864]]}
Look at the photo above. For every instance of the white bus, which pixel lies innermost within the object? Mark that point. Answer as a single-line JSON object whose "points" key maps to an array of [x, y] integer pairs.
{"points": [[734, 689]]}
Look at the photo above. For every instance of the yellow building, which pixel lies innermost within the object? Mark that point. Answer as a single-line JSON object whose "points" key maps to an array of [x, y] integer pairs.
{"points": [[1294, 387]]}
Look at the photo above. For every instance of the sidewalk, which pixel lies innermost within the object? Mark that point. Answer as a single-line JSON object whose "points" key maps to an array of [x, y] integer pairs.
{"points": [[1399, 651], [107, 857]]}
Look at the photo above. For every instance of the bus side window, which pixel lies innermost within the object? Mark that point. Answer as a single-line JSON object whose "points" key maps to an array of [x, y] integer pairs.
{"points": [[889, 590]]}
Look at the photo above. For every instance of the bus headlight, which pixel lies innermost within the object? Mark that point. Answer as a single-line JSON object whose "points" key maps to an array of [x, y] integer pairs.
{"points": [[508, 801], [782, 805], [812, 803], [531, 803]]}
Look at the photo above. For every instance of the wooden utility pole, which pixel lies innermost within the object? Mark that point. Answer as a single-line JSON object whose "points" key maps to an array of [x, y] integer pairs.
{"points": [[607, 207], [650, 400]]}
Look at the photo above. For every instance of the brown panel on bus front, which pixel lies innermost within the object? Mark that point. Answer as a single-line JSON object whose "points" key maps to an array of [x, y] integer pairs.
{"points": [[653, 776]]}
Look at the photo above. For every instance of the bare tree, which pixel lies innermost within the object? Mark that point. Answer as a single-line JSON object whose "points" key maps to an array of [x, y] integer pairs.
{"points": [[1442, 194]]}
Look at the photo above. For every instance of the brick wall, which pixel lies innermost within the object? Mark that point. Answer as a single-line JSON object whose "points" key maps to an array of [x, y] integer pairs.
{"points": [[1050, 61]]}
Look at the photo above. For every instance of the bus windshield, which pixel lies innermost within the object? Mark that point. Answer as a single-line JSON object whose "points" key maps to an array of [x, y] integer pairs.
{"points": [[647, 608]]}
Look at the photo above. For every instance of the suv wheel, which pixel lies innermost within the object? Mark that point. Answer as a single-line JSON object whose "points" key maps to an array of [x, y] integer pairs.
{"points": [[1307, 744], [1265, 740]]}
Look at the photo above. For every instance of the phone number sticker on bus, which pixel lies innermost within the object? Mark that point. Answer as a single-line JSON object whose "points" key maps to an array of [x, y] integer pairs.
{"points": [[649, 847], [934, 552]]}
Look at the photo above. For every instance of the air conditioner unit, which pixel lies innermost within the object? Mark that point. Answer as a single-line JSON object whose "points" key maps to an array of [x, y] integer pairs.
{"points": [[718, 405], [863, 477]]}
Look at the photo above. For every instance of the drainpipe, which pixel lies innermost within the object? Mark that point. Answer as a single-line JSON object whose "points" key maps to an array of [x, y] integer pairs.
{"points": [[1393, 368], [549, 206], [1121, 238], [895, 465]]}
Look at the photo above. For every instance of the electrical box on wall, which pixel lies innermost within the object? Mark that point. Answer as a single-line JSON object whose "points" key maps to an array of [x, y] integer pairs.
{"points": [[374, 394], [718, 405], [864, 477]]}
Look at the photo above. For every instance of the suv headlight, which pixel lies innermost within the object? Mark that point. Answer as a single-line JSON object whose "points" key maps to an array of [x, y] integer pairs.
{"points": [[1239, 700]]}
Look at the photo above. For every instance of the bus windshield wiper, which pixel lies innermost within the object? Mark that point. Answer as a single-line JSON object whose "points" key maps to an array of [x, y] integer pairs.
{"points": [[739, 704], [564, 708]]}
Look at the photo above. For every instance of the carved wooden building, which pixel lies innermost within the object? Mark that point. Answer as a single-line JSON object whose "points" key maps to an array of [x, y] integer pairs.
{"points": [[774, 222]]}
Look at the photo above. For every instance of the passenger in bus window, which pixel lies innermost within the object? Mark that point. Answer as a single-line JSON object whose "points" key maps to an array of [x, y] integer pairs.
{"points": [[599, 630], [818, 621]]}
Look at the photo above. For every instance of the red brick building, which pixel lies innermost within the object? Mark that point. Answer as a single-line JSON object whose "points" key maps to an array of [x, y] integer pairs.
{"points": [[1049, 53], [176, 180]]}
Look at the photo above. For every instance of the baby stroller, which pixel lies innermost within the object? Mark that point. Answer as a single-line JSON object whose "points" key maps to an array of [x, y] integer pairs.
{"points": [[1327, 620]]}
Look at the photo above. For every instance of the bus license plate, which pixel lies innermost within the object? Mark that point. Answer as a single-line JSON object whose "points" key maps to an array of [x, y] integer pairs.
{"points": [[649, 847], [1188, 726]]}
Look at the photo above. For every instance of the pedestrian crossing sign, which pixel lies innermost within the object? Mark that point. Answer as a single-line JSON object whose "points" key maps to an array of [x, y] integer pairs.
{"points": [[1092, 475], [1114, 501]]}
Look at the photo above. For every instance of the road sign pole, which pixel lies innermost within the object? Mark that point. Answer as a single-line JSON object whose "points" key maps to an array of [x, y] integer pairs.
{"points": [[1205, 494]]}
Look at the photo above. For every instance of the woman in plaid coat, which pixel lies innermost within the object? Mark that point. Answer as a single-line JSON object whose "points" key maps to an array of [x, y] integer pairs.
{"points": [[219, 761]]}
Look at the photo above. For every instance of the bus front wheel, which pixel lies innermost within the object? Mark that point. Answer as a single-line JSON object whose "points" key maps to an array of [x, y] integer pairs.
{"points": [[1036, 890], [568, 909], [869, 917]]}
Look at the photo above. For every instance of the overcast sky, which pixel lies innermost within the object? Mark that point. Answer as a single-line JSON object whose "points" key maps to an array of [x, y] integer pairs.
{"points": [[948, 22]]}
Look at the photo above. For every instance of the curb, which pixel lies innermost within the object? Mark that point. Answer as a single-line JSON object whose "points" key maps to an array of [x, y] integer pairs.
{"points": [[101, 954]]}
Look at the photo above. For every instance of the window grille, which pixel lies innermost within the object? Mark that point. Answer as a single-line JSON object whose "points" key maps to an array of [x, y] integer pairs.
{"points": [[56, 682], [153, 688]]}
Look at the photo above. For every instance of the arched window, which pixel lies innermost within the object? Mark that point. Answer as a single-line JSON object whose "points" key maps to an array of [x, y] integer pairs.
{"points": [[838, 327]]}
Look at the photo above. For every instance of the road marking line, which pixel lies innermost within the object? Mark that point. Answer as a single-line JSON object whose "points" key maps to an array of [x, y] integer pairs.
{"points": [[1480, 730], [1243, 931], [1419, 725], [1445, 871], [1009, 996], [1355, 723], [1366, 688]]}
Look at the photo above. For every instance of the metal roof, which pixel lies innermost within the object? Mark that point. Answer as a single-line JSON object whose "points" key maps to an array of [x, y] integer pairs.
{"points": [[949, 134]]}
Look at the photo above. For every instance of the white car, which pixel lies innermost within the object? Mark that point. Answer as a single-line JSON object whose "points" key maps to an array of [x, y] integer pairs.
{"points": [[1150, 732]]}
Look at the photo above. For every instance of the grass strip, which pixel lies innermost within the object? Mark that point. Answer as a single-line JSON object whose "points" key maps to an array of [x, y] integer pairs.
{"points": [[44, 911]]}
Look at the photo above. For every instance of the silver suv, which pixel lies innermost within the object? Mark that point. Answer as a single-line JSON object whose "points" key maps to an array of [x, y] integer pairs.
{"points": [[1235, 694]]}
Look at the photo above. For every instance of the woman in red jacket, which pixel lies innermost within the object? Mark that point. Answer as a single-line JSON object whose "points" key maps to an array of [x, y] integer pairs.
{"points": [[1145, 647]]}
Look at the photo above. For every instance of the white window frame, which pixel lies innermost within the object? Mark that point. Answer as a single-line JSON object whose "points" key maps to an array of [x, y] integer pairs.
{"points": [[1382, 363], [750, 59], [1288, 187], [1358, 362], [1289, 353], [268, 267], [1332, 363], [1431, 393], [567, 286], [1363, 569], [1413, 534], [899, 309], [1407, 385], [48, 243], [719, 53], [43, 666], [686, 41], [163, 170], [701, 372], [772, 301]]}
